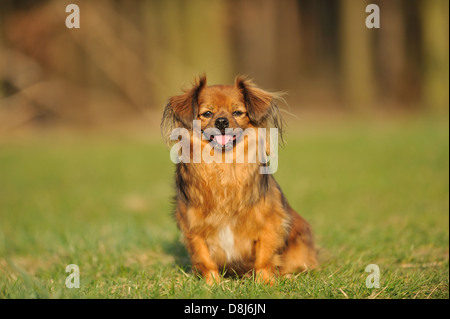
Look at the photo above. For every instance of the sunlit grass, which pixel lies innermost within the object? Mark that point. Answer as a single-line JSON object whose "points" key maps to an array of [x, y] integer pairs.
{"points": [[373, 195]]}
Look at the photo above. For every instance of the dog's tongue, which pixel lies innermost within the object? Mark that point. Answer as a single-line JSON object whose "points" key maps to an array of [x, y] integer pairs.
{"points": [[222, 139]]}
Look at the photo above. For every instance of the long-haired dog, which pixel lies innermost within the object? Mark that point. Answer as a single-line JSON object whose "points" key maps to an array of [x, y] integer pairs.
{"points": [[233, 218]]}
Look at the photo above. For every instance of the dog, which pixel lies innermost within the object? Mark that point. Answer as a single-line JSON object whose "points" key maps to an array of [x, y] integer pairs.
{"points": [[234, 219]]}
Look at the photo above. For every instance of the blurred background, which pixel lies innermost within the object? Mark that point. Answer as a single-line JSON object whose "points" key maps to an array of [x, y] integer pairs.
{"points": [[85, 177], [128, 57]]}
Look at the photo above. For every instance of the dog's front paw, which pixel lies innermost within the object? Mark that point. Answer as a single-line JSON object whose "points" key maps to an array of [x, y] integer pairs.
{"points": [[212, 277], [265, 276]]}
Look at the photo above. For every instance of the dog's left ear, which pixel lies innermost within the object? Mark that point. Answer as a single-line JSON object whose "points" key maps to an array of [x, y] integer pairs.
{"points": [[256, 100], [261, 105]]}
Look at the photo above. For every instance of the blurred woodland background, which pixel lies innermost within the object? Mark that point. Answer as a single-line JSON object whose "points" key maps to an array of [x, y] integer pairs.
{"points": [[128, 57], [85, 177]]}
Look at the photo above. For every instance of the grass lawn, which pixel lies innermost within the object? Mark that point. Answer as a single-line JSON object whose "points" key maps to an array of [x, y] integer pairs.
{"points": [[373, 193]]}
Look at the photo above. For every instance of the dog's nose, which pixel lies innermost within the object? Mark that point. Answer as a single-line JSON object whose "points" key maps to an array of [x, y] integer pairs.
{"points": [[221, 123]]}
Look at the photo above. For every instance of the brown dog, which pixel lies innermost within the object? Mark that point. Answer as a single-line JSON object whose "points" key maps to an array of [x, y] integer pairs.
{"points": [[233, 217]]}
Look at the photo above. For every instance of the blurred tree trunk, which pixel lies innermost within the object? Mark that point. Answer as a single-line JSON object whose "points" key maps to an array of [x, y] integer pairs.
{"points": [[5, 8], [256, 42], [356, 56], [435, 28], [2, 61], [392, 53], [288, 46], [206, 40], [163, 40]]}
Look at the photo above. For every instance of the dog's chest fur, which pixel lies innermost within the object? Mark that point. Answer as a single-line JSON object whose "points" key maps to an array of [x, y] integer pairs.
{"points": [[229, 246], [226, 187], [226, 242], [224, 195]]}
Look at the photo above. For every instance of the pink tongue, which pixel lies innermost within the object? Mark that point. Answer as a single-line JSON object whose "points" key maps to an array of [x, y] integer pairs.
{"points": [[222, 139]]}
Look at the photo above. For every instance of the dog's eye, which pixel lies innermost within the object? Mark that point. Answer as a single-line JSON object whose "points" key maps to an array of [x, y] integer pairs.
{"points": [[237, 113], [207, 114]]}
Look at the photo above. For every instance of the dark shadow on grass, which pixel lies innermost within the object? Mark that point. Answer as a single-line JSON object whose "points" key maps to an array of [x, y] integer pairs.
{"points": [[182, 259], [179, 252]]}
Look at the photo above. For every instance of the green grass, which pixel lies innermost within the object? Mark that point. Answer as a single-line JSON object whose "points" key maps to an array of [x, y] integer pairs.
{"points": [[374, 194]]}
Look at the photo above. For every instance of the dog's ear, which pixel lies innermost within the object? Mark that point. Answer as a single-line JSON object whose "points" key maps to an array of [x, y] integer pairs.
{"points": [[261, 105], [257, 101], [182, 109], [185, 106]]}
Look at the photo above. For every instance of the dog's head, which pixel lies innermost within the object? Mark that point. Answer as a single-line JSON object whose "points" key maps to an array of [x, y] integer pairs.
{"points": [[221, 109]]}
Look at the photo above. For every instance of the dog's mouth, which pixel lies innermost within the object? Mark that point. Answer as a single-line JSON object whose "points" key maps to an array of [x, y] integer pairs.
{"points": [[224, 140]]}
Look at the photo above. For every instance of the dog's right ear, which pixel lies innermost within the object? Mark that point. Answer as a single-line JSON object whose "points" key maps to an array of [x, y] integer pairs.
{"points": [[182, 109], [185, 106]]}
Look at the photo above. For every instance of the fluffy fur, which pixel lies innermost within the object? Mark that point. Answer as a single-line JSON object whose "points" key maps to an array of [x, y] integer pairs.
{"points": [[232, 217]]}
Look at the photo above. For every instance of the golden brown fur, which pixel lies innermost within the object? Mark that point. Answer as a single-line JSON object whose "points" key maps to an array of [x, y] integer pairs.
{"points": [[232, 217]]}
